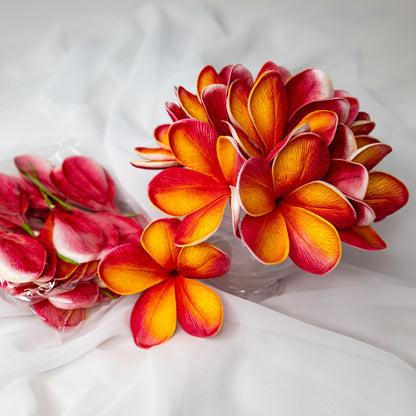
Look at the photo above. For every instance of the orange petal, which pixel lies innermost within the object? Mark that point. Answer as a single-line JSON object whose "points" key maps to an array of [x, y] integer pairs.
{"points": [[153, 318], [199, 225], [161, 135], [349, 177], [248, 148], [230, 159], [371, 154], [364, 139], [157, 239], [128, 269], [179, 191], [255, 187], [266, 236], [200, 310], [268, 108], [191, 105], [207, 76], [324, 200], [302, 160], [315, 245], [323, 123], [194, 144], [365, 238], [385, 194], [237, 105], [337, 105], [156, 154], [203, 261]]}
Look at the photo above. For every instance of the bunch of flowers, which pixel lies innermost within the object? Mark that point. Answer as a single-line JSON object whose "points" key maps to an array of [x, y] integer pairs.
{"points": [[56, 223], [292, 155]]}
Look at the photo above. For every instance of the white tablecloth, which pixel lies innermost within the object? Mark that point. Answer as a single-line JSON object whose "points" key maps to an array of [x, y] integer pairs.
{"points": [[342, 344]]}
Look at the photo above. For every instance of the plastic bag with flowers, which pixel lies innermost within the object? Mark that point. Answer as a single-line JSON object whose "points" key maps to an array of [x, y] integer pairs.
{"points": [[56, 222]]}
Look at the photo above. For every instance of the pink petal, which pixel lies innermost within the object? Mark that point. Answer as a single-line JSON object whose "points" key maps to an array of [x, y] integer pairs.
{"points": [[59, 318], [306, 86], [349, 177], [365, 238], [22, 258], [82, 296], [271, 66], [75, 237], [365, 214], [175, 112], [214, 100], [343, 144]]}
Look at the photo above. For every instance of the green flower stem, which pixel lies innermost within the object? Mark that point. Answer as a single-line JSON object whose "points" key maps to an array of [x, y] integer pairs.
{"points": [[28, 229], [67, 259]]}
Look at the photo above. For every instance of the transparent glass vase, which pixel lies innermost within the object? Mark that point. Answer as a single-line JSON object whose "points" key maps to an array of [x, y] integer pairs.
{"points": [[247, 277]]}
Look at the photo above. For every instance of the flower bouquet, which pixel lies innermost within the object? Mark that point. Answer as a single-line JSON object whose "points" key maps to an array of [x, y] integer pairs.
{"points": [[290, 155]]}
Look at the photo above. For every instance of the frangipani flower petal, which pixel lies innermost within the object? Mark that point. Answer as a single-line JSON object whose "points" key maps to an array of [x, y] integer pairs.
{"points": [[22, 257], [339, 106], [246, 145], [255, 187], [240, 72], [155, 164], [365, 238], [129, 269], [36, 166], [161, 136], [323, 123], [207, 76], [230, 159], [194, 144], [59, 318], [200, 310], [156, 154], [214, 100], [306, 86], [302, 160], [371, 154], [343, 144], [191, 105], [203, 261], [385, 194], [361, 127], [90, 179], [83, 295], [195, 191], [271, 66], [237, 105], [349, 177], [199, 225], [324, 200], [175, 112], [266, 236], [13, 203], [157, 239], [364, 139], [153, 318], [315, 245], [268, 108], [75, 237], [365, 214], [354, 105]]}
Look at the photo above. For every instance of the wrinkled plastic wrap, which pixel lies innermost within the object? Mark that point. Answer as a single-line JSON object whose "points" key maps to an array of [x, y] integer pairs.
{"points": [[60, 212]]}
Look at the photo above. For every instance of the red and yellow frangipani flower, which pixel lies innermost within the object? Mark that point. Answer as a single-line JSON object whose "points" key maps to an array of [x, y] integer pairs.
{"points": [[290, 212], [200, 191], [166, 275]]}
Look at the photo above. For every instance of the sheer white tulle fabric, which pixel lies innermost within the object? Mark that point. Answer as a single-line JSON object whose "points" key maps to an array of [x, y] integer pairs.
{"points": [[342, 344]]}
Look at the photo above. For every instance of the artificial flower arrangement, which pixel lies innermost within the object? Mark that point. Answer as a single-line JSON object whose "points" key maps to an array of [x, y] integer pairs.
{"points": [[290, 155], [56, 223], [294, 159]]}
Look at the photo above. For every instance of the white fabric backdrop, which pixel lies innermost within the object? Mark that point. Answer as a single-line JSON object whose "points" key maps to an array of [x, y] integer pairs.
{"points": [[343, 344]]}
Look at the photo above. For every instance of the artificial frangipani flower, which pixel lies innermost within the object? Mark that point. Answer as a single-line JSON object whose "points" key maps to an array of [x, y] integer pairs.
{"points": [[290, 152], [166, 274]]}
